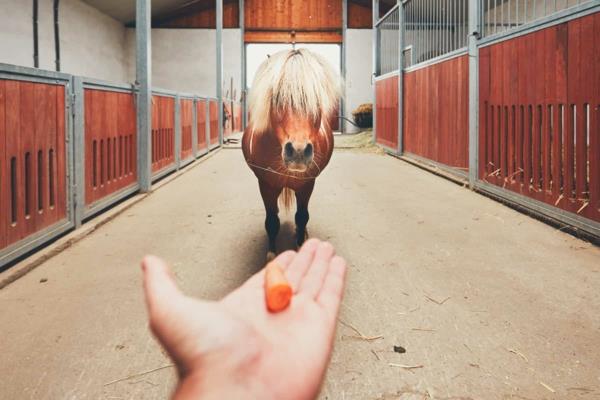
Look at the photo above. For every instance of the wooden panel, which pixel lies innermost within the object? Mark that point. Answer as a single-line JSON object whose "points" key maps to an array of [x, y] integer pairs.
{"points": [[201, 120], [32, 158], [163, 132], [110, 143], [237, 117], [293, 14], [387, 111], [287, 37], [436, 112], [543, 141], [203, 19], [359, 16], [214, 122], [187, 122]]}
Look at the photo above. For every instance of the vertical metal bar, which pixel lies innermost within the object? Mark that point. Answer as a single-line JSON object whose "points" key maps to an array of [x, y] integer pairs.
{"points": [[517, 17], [473, 12], [144, 84], [509, 25], [342, 121], [244, 85], [219, 24], [195, 127], [177, 131], [79, 149], [400, 78], [374, 61]]}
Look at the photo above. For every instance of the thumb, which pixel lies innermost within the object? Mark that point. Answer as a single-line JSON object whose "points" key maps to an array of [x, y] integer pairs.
{"points": [[161, 292]]}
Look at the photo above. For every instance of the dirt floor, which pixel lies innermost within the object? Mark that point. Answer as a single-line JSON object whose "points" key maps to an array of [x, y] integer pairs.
{"points": [[488, 303]]}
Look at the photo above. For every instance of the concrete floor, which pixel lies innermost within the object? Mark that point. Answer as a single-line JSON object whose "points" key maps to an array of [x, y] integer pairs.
{"points": [[519, 302]]}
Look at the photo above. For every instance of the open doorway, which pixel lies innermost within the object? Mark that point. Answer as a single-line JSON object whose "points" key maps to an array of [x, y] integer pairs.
{"points": [[256, 53]]}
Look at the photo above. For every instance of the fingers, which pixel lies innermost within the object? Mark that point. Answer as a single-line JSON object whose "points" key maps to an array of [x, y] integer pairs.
{"points": [[160, 289], [332, 291], [313, 279], [300, 264]]}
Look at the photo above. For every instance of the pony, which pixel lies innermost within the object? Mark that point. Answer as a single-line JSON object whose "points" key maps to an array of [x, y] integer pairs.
{"points": [[289, 141]]}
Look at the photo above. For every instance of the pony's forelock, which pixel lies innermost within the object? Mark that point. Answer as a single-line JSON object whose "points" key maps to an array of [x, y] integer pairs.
{"points": [[299, 82]]}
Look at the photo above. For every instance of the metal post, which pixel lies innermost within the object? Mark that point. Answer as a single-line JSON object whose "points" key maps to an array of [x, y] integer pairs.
{"points": [[195, 127], [400, 77], [342, 121], [473, 91], [144, 86], [177, 131], [220, 67], [375, 16], [79, 149], [243, 80]]}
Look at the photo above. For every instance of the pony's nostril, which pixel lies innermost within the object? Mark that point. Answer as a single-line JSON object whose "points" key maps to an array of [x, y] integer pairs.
{"points": [[308, 151], [289, 150]]}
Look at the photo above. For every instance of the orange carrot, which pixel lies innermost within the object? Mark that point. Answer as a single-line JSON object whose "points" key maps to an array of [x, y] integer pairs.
{"points": [[278, 291]]}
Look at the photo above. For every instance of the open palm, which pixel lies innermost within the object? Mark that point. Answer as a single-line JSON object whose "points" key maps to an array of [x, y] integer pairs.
{"points": [[235, 348]]}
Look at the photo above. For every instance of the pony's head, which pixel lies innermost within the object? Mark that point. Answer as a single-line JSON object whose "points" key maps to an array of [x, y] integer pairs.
{"points": [[293, 96]]}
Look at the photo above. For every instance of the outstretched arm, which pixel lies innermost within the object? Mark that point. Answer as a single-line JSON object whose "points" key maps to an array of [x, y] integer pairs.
{"points": [[235, 348]]}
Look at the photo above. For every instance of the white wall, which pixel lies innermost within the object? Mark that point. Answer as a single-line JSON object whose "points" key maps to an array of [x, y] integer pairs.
{"points": [[232, 61], [91, 43], [359, 66]]}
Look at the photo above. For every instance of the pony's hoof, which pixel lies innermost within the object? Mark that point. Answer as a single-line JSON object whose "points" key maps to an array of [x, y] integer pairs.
{"points": [[270, 256], [300, 240]]}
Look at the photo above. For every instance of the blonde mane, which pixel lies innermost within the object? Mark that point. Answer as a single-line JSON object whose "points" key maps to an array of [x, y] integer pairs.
{"points": [[296, 81]]}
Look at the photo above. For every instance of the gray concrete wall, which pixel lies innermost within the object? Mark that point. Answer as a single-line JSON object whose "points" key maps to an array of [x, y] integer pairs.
{"points": [[185, 59], [92, 43], [359, 88]]}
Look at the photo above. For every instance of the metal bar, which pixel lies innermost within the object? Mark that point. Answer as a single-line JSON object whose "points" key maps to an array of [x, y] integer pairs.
{"points": [[546, 22], [374, 61], [436, 60], [244, 86], [194, 128], [219, 24], [144, 83], [400, 78], [376, 21], [79, 149], [343, 63], [178, 132], [473, 91], [207, 122]]}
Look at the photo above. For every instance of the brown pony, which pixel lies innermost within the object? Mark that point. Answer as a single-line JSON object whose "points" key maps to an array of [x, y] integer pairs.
{"points": [[288, 141]]}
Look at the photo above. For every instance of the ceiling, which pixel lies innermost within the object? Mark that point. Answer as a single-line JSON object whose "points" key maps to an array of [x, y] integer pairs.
{"points": [[124, 10]]}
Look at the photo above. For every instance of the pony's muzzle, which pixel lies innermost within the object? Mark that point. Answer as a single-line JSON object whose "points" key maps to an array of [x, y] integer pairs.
{"points": [[298, 156]]}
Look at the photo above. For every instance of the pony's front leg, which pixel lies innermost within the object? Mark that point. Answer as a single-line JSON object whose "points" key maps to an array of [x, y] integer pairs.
{"points": [[270, 196], [302, 197]]}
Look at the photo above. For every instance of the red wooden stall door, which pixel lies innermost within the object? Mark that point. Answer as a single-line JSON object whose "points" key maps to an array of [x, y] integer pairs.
{"points": [[436, 114], [163, 132], [201, 119], [540, 115], [386, 92], [214, 122], [32, 158], [110, 143], [187, 121]]}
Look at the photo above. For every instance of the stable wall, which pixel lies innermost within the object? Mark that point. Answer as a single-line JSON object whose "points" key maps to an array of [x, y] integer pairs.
{"points": [[359, 87], [100, 52], [185, 59]]}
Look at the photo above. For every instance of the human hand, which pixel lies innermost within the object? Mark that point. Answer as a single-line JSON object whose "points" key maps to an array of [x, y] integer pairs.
{"points": [[235, 348]]}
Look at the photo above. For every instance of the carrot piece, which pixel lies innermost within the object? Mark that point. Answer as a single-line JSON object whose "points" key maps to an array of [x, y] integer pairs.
{"points": [[278, 291]]}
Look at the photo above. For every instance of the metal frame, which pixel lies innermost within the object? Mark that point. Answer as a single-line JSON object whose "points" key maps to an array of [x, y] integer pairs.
{"points": [[342, 113], [542, 23], [375, 11], [400, 149], [29, 243], [438, 59], [177, 132], [243, 60], [474, 34], [219, 38], [143, 71]]}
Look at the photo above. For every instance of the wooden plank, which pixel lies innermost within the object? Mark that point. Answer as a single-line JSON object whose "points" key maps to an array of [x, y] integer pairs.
{"points": [[359, 16], [287, 37], [61, 153]]}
